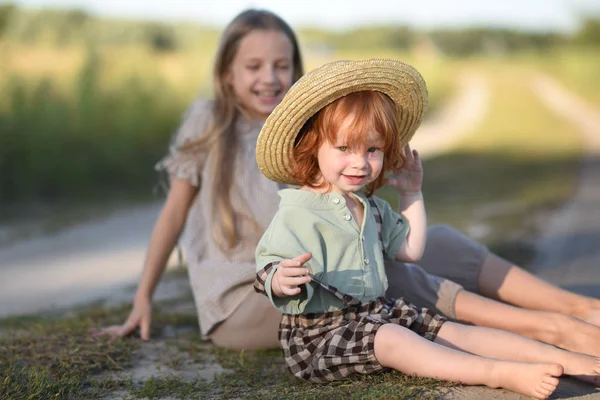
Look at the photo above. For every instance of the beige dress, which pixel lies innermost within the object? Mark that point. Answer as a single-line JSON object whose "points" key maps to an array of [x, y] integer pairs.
{"points": [[222, 281]]}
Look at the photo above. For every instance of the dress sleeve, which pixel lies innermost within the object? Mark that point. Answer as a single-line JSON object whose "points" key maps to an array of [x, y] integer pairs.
{"points": [[188, 165], [280, 242], [394, 228]]}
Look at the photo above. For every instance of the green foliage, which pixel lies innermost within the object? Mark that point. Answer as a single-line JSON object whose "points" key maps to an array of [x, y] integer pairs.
{"points": [[161, 37], [6, 13], [589, 34], [366, 37], [473, 41], [76, 27], [56, 144]]}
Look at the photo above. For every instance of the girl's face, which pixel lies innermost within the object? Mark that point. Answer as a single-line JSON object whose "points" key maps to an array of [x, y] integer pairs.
{"points": [[349, 170], [261, 72]]}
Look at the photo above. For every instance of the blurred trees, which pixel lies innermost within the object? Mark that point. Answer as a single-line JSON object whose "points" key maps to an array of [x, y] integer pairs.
{"points": [[77, 27], [91, 128], [6, 12], [589, 34]]}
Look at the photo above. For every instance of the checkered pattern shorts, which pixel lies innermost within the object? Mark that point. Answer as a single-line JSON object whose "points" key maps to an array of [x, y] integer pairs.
{"points": [[334, 345]]}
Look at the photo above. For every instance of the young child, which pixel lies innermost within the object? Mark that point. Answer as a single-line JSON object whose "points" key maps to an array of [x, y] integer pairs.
{"points": [[336, 133]]}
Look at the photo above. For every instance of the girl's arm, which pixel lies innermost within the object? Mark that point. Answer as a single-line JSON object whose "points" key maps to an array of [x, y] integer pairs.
{"points": [[166, 231]]}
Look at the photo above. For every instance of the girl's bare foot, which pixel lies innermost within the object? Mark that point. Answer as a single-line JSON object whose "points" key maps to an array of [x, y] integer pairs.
{"points": [[586, 369], [530, 379], [593, 316], [588, 310]]}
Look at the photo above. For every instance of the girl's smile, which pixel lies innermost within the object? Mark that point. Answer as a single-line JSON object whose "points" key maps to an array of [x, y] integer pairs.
{"points": [[261, 72]]}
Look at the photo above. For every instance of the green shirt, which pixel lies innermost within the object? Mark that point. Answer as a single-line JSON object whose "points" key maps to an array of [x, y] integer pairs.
{"points": [[344, 255]]}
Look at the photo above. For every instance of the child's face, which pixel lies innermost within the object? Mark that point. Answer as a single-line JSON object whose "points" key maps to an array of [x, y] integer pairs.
{"points": [[349, 170], [261, 71]]}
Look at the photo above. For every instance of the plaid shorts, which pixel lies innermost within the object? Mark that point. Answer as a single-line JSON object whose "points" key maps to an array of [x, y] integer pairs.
{"points": [[334, 345]]}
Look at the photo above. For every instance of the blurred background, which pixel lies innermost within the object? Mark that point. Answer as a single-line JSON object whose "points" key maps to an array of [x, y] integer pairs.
{"points": [[92, 91]]}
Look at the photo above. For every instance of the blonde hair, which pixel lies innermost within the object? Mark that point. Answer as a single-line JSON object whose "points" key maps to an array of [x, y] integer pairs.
{"points": [[220, 139]]}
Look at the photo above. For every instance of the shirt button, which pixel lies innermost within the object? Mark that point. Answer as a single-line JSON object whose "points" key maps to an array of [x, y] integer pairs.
{"points": [[363, 238], [367, 261], [336, 200], [347, 217]]}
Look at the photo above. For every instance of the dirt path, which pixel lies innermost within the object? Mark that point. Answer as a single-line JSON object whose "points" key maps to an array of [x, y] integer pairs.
{"points": [[568, 251], [457, 119], [102, 258]]}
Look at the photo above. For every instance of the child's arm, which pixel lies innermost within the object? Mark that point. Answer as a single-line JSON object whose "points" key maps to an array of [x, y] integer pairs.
{"points": [[413, 209], [283, 266], [408, 181]]}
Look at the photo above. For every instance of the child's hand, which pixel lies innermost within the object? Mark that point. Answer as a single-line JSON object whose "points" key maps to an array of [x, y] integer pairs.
{"points": [[408, 179], [290, 275]]}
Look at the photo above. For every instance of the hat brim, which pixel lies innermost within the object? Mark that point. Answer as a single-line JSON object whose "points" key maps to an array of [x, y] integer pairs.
{"points": [[320, 87]]}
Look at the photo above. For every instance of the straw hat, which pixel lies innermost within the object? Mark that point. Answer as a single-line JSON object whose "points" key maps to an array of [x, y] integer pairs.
{"points": [[400, 81]]}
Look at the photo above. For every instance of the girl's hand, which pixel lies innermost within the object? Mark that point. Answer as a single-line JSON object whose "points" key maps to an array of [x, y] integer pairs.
{"points": [[139, 317], [290, 275], [408, 179]]}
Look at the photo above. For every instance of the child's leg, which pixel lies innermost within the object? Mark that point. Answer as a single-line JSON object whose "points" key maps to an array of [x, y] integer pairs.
{"points": [[557, 329], [503, 345], [400, 348]]}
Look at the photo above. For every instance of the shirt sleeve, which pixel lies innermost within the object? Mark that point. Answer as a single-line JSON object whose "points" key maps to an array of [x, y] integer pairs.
{"points": [[280, 242], [395, 228], [188, 165]]}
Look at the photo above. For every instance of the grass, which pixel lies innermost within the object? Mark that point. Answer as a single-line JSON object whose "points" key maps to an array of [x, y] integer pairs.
{"points": [[56, 357], [576, 68], [82, 123]]}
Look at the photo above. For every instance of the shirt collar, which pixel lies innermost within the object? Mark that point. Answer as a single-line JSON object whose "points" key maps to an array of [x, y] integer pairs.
{"points": [[315, 201]]}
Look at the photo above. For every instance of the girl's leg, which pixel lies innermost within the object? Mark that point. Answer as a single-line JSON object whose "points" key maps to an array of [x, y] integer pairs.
{"points": [[454, 256], [502, 280], [556, 329], [425, 290], [252, 326], [503, 345], [400, 348]]}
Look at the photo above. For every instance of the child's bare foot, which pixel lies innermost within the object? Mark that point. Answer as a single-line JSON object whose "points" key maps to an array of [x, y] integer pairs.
{"points": [[535, 380]]}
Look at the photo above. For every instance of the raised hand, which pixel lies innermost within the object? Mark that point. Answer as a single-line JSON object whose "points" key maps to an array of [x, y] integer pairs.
{"points": [[290, 274], [409, 178]]}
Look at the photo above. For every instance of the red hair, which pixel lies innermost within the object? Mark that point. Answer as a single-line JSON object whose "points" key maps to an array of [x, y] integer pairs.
{"points": [[371, 111]]}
